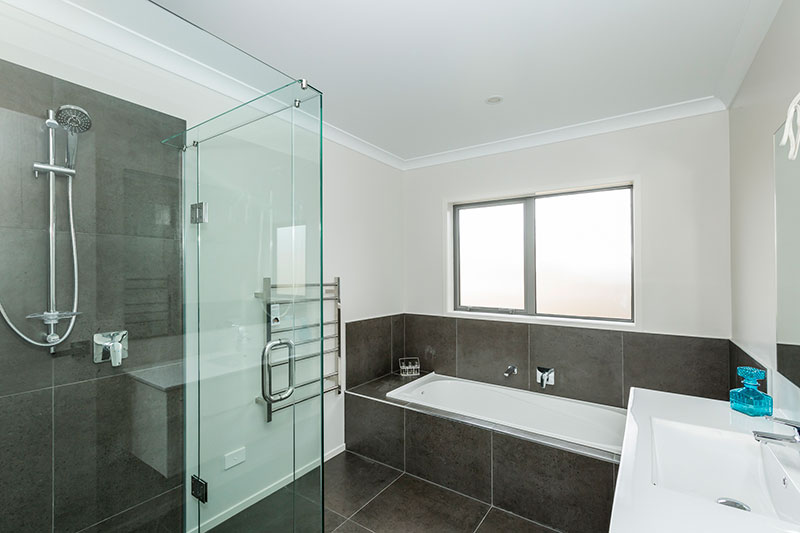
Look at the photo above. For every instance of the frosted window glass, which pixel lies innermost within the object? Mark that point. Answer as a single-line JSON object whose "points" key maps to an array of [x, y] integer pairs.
{"points": [[583, 254], [492, 256]]}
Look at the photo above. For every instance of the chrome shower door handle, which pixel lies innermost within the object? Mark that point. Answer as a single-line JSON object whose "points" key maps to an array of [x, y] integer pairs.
{"points": [[266, 371]]}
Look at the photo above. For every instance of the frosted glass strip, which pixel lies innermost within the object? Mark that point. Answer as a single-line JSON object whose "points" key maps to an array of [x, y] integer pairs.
{"points": [[492, 256], [583, 254]]}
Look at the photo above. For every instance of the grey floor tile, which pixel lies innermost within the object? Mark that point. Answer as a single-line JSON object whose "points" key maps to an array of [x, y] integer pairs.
{"points": [[162, 514], [685, 365], [486, 348], [374, 429], [282, 511], [378, 388], [369, 349], [451, 454], [411, 505], [25, 460], [433, 340], [588, 362], [499, 521], [97, 470], [560, 489], [350, 482], [351, 527]]}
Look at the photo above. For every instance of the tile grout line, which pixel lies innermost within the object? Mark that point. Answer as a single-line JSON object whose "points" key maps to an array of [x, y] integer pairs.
{"points": [[530, 360], [52, 444], [491, 467], [130, 508], [549, 528], [373, 498], [40, 389], [473, 498], [374, 461], [482, 519], [622, 362]]}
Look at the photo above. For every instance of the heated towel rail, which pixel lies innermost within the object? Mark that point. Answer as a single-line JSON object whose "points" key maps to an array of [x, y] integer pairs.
{"points": [[286, 337]]}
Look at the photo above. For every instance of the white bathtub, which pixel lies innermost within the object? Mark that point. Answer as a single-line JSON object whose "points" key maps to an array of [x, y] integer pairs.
{"points": [[590, 425]]}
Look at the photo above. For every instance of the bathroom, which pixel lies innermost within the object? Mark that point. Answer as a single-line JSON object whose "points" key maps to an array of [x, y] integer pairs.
{"points": [[399, 266]]}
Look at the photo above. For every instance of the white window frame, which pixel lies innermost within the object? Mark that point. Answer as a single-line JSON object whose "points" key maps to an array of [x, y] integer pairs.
{"points": [[529, 204]]}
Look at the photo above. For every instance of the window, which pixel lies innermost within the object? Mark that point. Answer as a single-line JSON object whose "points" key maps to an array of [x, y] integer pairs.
{"points": [[566, 255]]}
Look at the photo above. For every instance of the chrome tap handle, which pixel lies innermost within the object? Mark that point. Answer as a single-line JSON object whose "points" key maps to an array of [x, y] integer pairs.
{"points": [[786, 422]]}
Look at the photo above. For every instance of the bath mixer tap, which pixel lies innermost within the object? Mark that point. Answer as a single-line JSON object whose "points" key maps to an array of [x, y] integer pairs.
{"points": [[545, 376], [510, 371], [764, 436]]}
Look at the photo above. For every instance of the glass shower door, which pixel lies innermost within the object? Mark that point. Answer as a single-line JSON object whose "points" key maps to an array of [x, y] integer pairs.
{"points": [[254, 314]]}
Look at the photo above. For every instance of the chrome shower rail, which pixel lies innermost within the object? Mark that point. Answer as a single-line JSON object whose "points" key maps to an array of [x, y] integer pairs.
{"points": [[329, 292]]}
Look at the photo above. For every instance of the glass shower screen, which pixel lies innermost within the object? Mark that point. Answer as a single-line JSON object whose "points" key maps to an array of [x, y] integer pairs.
{"points": [[253, 275]]}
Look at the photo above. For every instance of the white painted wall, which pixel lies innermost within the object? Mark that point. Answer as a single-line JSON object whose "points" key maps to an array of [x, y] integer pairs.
{"points": [[363, 236], [757, 111], [680, 175]]}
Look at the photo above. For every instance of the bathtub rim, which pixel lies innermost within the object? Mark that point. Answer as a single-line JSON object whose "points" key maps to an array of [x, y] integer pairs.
{"points": [[530, 436]]}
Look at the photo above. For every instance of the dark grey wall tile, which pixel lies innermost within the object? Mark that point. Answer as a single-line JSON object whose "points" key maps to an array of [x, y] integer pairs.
{"points": [[411, 505], [162, 514], [588, 362], [433, 340], [789, 363], [76, 364], [398, 340], [368, 349], [486, 348], [498, 521], [97, 473], [25, 452], [739, 357], [25, 90], [685, 365], [374, 429], [454, 455], [560, 489]]}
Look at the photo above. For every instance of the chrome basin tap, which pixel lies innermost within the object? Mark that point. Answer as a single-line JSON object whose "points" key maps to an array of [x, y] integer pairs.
{"points": [[764, 436]]}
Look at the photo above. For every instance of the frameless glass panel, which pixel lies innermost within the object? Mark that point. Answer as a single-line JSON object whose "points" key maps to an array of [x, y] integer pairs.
{"points": [[491, 256], [584, 254], [254, 278]]}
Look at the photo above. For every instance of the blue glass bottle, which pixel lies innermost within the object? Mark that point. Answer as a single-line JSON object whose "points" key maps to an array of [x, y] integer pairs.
{"points": [[749, 400]]}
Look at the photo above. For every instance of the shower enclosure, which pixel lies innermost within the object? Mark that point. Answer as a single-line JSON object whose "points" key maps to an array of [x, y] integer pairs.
{"points": [[253, 315]]}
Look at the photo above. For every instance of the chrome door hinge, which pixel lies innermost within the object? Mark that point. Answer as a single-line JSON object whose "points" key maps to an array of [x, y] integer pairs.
{"points": [[199, 489], [199, 213]]}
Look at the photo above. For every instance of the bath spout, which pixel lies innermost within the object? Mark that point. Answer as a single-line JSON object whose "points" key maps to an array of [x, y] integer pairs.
{"points": [[510, 371]]}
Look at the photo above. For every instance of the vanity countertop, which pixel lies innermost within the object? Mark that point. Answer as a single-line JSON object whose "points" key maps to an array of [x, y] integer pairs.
{"points": [[681, 454]]}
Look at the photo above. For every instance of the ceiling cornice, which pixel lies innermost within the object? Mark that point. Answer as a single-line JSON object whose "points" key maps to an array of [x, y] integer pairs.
{"points": [[636, 119]]}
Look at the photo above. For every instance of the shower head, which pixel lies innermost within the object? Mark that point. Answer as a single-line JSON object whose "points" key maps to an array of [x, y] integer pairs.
{"points": [[74, 119]]}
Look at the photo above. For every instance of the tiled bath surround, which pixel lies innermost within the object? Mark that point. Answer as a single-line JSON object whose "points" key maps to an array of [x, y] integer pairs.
{"points": [[550, 486], [591, 364], [86, 445]]}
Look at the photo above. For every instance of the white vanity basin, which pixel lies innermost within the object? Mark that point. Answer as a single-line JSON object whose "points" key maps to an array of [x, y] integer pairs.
{"points": [[681, 454]]}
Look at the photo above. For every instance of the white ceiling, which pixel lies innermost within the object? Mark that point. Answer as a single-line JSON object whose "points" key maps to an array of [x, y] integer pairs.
{"points": [[411, 76]]}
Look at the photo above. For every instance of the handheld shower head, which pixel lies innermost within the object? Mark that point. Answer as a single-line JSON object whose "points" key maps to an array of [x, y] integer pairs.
{"points": [[74, 120]]}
